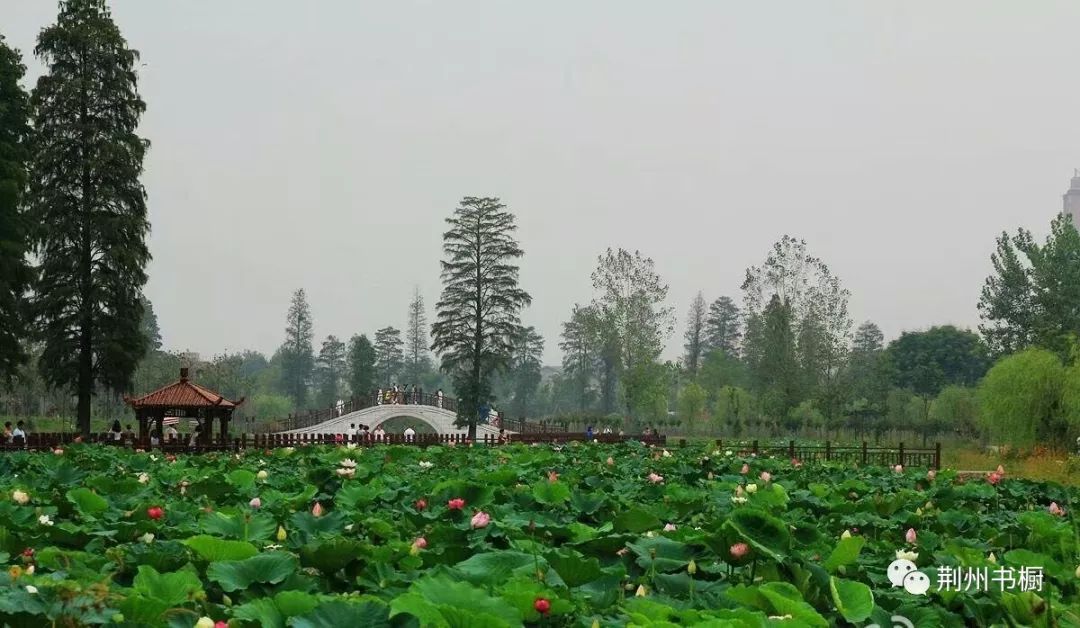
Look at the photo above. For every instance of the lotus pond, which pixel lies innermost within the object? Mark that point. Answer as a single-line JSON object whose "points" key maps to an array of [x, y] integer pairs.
{"points": [[582, 535]]}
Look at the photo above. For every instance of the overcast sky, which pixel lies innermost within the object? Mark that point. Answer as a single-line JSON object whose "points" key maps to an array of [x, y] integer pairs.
{"points": [[322, 144]]}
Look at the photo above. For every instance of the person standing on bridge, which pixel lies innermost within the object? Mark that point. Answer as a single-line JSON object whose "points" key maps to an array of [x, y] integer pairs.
{"points": [[409, 433], [438, 399], [378, 433]]}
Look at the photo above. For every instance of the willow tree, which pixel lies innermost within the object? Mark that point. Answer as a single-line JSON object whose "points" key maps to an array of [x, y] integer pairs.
{"points": [[478, 313], [14, 271], [87, 204], [1020, 399]]}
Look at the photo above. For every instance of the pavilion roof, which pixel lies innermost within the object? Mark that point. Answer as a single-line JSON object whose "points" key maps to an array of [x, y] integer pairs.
{"points": [[182, 394]]}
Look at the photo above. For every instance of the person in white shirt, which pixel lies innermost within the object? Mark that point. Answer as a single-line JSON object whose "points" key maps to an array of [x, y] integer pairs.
{"points": [[378, 397], [409, 433], [19, 431], [438, 398], [378, 433], [171, 434]]}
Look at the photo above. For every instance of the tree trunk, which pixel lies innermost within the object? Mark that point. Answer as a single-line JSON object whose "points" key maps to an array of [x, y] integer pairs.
{"points": [[86, 381]]}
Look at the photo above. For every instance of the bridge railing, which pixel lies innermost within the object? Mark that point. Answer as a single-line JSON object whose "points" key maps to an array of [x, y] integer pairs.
{"points": [[389, 398]]}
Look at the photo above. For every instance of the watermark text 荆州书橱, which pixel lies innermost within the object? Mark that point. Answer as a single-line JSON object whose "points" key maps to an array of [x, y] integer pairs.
{"points": [[988, 578]]}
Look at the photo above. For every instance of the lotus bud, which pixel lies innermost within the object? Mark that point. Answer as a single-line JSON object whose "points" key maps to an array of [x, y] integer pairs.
{"points": [[641, 591], [992, 559], [281, 534], [692, 567], [846, 535]]}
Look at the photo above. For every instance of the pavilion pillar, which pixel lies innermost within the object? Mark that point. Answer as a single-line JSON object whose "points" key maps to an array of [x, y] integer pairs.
{"points": [[141, 417], [225, 416]]}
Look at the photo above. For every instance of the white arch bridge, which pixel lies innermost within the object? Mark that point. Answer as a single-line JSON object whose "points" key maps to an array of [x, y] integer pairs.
{"points": [[439, 419]]}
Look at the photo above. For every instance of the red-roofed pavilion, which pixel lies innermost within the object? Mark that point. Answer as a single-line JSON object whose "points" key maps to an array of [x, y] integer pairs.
{"points": [[183, 399]]}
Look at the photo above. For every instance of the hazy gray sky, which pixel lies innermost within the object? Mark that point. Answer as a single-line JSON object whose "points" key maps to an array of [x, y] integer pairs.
{"points": [[321, 145]]}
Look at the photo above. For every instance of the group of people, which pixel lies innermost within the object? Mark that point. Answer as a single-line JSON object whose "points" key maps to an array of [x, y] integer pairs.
{"points": [[10, 434], [128, 437], [396, 395], [363, 432]]}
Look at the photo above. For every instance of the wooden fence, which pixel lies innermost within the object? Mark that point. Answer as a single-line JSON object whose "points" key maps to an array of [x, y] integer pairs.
{"points": [[47, 441], [850, 454]]}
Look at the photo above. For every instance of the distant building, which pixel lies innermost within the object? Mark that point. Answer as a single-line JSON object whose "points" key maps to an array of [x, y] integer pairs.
{"points": [[1071, 199]]}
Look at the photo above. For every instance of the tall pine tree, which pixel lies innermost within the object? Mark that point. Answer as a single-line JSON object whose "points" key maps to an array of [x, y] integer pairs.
{"points": [[389, 355], [87, 204], [417, 360], [723, 329], [478, 312], [695, 335], [297, 354], [361, 366], [330, 371], [15, 273]]}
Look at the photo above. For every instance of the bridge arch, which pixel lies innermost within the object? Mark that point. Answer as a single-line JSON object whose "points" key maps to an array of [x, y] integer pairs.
{"points": [[441, 420]]}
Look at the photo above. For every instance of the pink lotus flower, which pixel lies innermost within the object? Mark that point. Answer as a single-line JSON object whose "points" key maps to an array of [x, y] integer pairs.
{"points": [[220, 624], [739, 550], [420, 504], [420, 543], [553, 477], [1056, 510], [910, 536], [255, 502], [481, 519], [795, 463], [456, 504], [931, 474], [58, 451], [898, 468], [993, 477], [656, 479], [766, 476], [745, 469], [610, 461], [669, 527], [1001, 470], [317, 509]]}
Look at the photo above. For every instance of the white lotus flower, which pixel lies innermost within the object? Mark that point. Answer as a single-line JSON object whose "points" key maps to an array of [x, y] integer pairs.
{"points": [[739, 500], [144, 478], [751, 488], [348, 462], [204, 622], [667, 454], [147, 538], [262, 475], [424, 464], [905, 555], [20, 497], [31, 589], [45, 520], [346, 473]]}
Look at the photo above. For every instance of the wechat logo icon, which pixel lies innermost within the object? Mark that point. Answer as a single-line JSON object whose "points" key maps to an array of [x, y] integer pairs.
{"points": [[898, 621], [903, 573]]}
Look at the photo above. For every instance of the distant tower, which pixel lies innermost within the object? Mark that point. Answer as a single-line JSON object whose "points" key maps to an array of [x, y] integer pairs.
{"points": [[1071, 200]]}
